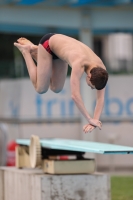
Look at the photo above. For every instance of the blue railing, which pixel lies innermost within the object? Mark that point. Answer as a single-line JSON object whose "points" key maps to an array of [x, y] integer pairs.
{"points": [[99, 2], [71, 2]]}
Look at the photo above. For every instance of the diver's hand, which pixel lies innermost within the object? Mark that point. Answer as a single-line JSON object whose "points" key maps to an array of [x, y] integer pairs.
{"points": [[96, 123], [88, 128]]}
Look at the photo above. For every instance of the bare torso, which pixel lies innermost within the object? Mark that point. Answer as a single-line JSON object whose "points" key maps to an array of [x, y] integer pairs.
{"points": [[71, 50]]}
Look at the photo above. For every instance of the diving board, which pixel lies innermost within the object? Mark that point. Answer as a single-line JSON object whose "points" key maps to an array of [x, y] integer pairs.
{"points": [[36, 152], [80, 146]]}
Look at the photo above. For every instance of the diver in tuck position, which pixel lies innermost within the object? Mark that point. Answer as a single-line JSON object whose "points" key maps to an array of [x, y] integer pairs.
{"points": [[53, 55]]}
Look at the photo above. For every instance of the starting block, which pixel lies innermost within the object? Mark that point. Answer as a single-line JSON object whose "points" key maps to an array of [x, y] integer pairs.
{"points": [[44, 153]]}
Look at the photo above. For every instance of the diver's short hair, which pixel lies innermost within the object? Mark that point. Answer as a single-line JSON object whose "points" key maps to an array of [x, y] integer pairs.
{"points": [[99, 77]]}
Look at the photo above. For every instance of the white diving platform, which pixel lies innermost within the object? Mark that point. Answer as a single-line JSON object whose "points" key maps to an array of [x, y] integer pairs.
{"points": [[46, 153], [79, 145]]}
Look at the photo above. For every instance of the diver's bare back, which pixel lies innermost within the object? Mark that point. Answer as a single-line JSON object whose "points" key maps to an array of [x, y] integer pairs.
{"points": [[71, 50]]}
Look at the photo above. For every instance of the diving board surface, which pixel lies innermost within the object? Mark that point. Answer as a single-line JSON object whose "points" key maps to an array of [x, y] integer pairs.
{"points": [[80, 145]]}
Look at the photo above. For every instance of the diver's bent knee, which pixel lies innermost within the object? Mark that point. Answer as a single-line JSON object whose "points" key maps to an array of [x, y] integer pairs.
{"points": [[41, 91], [56, 90]]}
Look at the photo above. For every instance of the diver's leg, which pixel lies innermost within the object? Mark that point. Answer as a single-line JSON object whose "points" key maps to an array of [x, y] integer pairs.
{"points": [[59, 73], [40, 75]]}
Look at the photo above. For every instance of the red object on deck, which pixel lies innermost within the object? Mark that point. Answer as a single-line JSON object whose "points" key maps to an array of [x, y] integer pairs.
{"points": [[64, 157], [11, 153]]}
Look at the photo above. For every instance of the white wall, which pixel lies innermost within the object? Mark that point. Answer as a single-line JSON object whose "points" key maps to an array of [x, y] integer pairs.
{"points": [[19, 100]]}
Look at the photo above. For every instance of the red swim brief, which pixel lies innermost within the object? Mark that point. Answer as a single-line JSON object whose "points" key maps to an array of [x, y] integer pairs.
{"points": [[45, 43]]}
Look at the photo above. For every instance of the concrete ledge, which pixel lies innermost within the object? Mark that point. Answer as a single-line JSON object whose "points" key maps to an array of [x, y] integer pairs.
{"points": [[30, 184]]}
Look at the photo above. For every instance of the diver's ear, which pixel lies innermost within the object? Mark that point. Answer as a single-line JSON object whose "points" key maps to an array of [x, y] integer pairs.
{"points": [[89, 75]]}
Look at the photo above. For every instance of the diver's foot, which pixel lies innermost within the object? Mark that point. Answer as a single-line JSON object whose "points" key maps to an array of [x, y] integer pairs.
{"points": [[23, 48], [25, 41]]}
